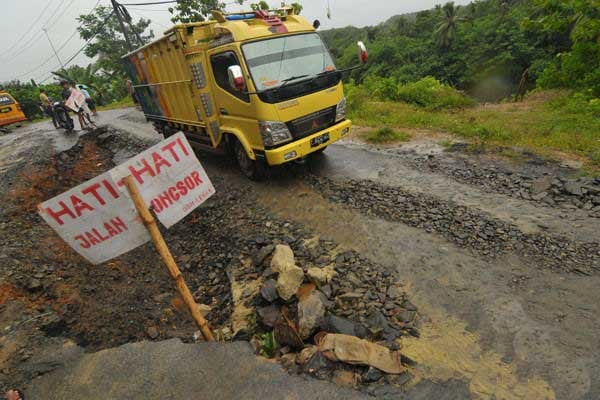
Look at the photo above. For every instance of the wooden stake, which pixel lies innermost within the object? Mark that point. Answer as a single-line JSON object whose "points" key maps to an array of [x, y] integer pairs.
{"points": [[165, 253]]}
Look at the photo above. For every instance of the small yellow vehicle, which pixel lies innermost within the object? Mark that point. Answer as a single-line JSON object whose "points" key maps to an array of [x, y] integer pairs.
{"points": [[10, 110], [259, 84]]}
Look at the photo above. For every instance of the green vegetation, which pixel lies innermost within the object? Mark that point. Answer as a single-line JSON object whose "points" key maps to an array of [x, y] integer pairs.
{"points": [[268, 344], [105, 77], [426, 68], [546, 122], [491, 49], [427, 92], [387, 134], [124, 102]]}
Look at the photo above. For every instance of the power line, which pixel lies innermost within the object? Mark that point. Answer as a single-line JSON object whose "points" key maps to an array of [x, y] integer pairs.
{"points": [[33, 24], [90, 39], [32, 40], [63, 45], [69, 4], [148, 4]]}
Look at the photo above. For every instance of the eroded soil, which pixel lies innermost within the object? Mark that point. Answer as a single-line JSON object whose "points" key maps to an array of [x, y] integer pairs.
{"points": [[505, 284]]}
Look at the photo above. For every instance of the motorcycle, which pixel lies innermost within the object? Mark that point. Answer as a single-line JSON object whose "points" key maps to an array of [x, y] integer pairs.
{"points": [[61, 112]]}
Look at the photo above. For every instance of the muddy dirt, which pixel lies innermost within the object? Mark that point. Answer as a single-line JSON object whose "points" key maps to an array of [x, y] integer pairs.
{"points": [[505, 284]]}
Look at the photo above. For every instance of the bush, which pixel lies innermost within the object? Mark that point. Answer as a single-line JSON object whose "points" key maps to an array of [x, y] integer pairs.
{"points": [[387, 134], [356, 95], [578, 103], [431, 93]]}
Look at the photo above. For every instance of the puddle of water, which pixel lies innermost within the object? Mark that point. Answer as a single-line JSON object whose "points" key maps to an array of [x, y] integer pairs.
{"points": [[446, 350]]}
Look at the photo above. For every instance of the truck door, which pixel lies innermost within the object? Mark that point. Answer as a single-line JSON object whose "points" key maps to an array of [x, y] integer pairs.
{"points": [[236, 110]]}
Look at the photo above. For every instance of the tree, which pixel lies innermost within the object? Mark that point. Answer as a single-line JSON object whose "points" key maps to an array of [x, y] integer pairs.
{"points": [[261, 5], [186, 11], [92, 77], [577, 66], [297, 7], [107, 41], [446, 29]]}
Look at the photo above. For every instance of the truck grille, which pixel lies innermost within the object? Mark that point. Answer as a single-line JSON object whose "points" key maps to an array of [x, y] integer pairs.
{"points": [[309, 124]]}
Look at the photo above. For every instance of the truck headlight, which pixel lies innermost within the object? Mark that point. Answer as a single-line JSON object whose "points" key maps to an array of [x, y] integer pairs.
{"points": [[274, 132], [340, 110]]}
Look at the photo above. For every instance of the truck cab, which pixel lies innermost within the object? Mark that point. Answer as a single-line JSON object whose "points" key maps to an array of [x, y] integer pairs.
{"points": [[260, 84]]}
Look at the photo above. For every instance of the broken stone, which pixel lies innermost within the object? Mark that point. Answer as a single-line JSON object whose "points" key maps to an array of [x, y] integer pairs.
{"points": [[311, 310], [268, 315], [204, 308], [573, 188], [288, 360], [376, 322], [539, 196], [409, 306], [289, 280], [262, 254], [34, 284], [326, 290], [320, 276], [334, 324], [268, 291], [541, 185], [152, 332], [372, 375], [394, 293], [283, 257], [344, 378], [316, 363]]}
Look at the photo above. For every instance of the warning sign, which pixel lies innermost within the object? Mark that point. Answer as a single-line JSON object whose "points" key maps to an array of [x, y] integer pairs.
{"points": [[98, 218]]}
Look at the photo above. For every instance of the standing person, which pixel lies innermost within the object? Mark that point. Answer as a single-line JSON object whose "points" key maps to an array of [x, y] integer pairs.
{"points": [[47, 107], [76, 102], [88, 99], [67, 95], [132, 93]]}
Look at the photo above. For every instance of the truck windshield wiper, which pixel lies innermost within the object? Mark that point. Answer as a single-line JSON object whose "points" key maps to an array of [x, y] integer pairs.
{"points": [[326, 72], [293, 78]]}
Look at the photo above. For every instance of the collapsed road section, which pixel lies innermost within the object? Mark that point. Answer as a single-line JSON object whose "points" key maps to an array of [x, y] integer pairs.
{"points": [[302, 299]]}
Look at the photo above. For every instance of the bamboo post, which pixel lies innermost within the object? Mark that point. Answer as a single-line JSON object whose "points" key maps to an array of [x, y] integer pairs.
{"points": [[165, 253]]}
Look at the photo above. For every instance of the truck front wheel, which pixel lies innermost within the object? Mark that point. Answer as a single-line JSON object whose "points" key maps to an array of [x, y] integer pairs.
{"points": [[255, 170]]}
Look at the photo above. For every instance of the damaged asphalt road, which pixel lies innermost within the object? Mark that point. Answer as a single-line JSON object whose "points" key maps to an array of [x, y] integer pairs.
{"points": [[505, 285]]}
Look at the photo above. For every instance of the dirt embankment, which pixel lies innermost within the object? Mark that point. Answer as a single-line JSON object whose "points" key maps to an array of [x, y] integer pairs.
{"points": [[50, 294]]}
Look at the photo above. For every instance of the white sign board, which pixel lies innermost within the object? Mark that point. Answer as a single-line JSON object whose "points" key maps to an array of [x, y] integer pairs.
{"points": [[98, 218], [75, 100]]}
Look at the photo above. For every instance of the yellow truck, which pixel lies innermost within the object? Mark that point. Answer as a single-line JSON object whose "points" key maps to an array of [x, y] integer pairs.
{"points": [[261, 85]]}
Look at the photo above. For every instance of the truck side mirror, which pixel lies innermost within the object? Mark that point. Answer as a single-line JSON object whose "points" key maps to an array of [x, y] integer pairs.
{"points": [[316, 24], [363, 55], [236, 78]]}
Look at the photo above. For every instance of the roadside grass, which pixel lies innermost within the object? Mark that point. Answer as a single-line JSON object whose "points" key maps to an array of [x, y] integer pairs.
{"points": [[387, 134], [545, 123], [123, 103]]}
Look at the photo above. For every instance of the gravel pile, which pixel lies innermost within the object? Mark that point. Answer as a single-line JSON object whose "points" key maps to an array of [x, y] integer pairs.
{"points": [[547, 188], [461, 225]]}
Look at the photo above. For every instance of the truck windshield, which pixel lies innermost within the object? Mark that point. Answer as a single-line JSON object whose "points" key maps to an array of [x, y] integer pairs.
{"points": [[281, 61]]}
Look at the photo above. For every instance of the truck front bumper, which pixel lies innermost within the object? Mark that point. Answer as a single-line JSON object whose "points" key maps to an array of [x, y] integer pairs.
{"points": [[303, 147]]}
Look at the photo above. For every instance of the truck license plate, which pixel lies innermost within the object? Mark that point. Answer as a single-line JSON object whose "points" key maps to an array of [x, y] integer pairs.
{"points": [[319, 140]]}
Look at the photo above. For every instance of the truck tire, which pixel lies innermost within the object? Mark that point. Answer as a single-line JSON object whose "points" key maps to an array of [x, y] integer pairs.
{"points": [[255, 170]]}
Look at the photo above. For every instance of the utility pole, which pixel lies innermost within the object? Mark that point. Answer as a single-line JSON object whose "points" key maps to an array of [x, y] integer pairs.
{"points": [[51, 45], [116, 7]]}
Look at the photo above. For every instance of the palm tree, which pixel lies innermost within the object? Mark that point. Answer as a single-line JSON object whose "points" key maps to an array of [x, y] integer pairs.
{"points": [[446, 29], [86, 75]]}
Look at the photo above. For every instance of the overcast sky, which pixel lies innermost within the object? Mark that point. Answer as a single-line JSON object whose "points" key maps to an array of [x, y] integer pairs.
{"points": [[25, 52]]}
